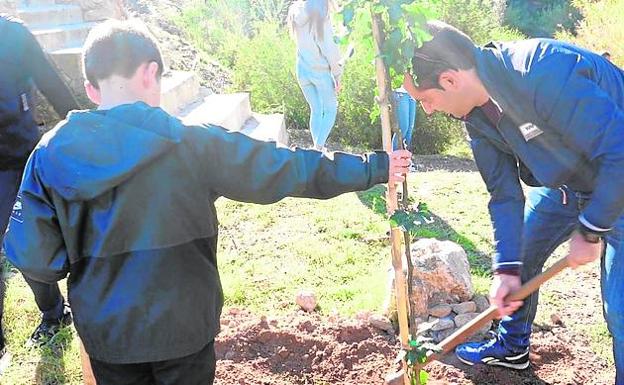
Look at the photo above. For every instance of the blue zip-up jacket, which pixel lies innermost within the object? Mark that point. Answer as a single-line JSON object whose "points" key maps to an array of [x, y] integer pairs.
{"points": [[123, 201], [562, 124]]}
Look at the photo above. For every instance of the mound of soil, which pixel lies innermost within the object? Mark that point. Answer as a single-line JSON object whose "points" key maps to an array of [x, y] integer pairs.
{"points": [[309, 349]]}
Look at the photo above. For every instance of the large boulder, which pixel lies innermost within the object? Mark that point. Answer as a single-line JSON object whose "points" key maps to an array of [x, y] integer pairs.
{"points": [[442, 269]]}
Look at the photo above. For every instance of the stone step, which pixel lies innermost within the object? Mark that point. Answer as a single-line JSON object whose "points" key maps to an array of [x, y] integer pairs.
{"points": [[34, 3], [49, 16], [63, 36], [69, 62], [229, 111], [267, 127], [179, 88]]}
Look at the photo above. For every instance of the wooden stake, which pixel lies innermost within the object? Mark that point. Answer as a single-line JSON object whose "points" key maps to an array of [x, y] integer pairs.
{"points": [[87, 373], [387, 121]]}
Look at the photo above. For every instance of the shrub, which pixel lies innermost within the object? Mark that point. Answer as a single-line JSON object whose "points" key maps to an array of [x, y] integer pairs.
{"points": [[601, 28], [265, 67], [541, 20]]}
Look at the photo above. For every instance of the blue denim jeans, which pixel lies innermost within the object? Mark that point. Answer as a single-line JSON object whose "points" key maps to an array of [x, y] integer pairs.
{"points": [[48, 297], [320, 93], [548, 222], [406, 115]]}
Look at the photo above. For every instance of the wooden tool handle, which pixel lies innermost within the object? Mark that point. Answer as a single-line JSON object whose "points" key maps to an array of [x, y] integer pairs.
{"points": [[473, 326]]}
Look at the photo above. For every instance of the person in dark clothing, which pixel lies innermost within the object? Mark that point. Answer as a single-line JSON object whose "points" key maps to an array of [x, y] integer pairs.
{"points": [[552, 115], [122, 199], [22, 65]]}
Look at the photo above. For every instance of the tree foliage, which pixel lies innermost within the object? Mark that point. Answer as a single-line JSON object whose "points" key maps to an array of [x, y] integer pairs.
{"points": [[601, 28]]}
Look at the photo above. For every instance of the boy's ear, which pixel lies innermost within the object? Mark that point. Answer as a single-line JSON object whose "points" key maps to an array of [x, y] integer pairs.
{"points": [[150, 74], [93, 93]]}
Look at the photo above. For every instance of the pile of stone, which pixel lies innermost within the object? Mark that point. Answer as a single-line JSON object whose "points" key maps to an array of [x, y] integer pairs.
{"points": [[443, 297], [444, 319]]}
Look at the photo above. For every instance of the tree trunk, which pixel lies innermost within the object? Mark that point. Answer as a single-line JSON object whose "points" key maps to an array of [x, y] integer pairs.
{"points": [[388, 120]]}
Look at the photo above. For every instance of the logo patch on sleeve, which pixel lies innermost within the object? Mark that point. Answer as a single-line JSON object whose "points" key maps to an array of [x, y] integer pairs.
{"points": [[16, 214]]}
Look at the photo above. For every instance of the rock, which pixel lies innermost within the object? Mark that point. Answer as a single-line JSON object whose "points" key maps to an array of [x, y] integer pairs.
{"points": [[482, 302], [283, 352], [306, 300], [556, 320], [462, 319], [441, 269], [419, 299], [230, 355], [465, 307], [381, 322], [441, 323], [442, 334], [440, 311], [264, 336], [394, 378]]}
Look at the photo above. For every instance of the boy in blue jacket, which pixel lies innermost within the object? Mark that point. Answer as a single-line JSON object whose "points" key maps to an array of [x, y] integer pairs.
{"points": [[552, 115], [121, 199]]}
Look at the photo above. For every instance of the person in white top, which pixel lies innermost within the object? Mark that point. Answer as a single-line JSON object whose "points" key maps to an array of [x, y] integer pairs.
{"points": [[319, 64]]}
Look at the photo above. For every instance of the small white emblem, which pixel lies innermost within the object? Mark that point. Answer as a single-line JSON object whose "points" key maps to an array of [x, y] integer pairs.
{"points": [[16, 214], [530, 131]]}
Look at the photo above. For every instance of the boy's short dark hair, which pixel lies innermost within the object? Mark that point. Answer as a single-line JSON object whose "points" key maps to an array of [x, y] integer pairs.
{"points": [[118, 48], [449, 49]]}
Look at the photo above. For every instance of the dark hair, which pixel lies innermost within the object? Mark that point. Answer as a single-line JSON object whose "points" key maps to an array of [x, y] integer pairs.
{"points": [[318, 11], [118, 48], [449, 49]]}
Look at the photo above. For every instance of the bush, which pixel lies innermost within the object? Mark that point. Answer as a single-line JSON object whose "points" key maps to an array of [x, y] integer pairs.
{"points": [[216, 27], [601, 28], [265, 67], [543, 20]]}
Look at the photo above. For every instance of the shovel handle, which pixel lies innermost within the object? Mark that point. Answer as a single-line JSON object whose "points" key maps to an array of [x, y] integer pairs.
{"points": [[490, 313]]}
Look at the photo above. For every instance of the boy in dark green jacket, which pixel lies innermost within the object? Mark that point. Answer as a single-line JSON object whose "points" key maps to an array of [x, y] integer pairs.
{"points": [[122, 199]]}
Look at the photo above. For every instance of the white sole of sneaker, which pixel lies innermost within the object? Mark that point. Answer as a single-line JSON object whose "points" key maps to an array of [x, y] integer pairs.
{"points": [[495, 362]]}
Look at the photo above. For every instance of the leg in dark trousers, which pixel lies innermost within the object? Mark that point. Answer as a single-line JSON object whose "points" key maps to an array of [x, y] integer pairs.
{"points": [[9, 185], [48, 298], [195, 369]]}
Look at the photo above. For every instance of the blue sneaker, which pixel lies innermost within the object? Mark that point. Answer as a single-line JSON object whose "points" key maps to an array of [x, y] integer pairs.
{"points": [[492, 352]]}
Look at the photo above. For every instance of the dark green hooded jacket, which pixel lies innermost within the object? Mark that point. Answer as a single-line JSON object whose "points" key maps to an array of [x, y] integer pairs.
{"points": [[123, 201]]}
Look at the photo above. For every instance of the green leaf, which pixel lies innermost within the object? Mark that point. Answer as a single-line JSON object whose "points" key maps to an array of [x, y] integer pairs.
{"points": [[424, 376]]}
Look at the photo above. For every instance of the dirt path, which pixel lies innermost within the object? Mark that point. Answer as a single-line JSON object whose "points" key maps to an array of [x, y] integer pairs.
{"points": [[309, 349]]}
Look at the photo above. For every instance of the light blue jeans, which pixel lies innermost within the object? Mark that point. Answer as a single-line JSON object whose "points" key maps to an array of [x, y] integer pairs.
{"points": [[548, 222], [406, 115], [320, 93]]}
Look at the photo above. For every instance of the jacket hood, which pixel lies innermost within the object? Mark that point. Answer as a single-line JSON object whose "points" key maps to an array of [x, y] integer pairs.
{"points": [[94, 151]]}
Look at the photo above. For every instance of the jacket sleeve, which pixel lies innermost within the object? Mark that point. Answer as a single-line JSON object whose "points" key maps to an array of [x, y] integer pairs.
{"points": [[330, 51], [499, 170], [46, 78], [589, 120], [241, 168], [34, 243]]}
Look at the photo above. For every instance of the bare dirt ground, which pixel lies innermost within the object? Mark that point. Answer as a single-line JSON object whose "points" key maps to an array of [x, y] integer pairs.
{"points": [[309, 349]]}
